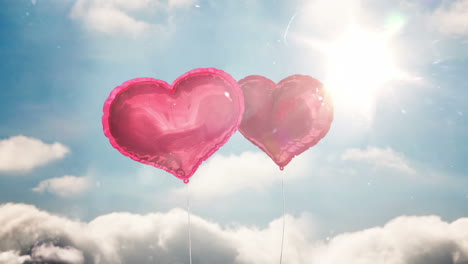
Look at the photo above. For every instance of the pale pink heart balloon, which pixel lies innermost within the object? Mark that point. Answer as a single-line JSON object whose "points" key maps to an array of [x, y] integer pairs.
{"points": [[287, 118], [174, 127]]}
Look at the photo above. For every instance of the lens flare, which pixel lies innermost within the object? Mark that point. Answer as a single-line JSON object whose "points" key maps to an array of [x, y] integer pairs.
{"points": [[360, 63]]}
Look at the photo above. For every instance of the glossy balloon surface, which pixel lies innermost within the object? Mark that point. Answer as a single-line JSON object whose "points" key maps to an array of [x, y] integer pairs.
{"points": [[287, 118], [174, 127]]}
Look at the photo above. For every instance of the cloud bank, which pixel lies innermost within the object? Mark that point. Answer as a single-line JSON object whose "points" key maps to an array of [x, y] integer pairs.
{"points": [[22, 154], [28, 233]]}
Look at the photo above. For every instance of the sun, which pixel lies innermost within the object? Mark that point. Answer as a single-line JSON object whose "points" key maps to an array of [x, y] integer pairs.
{"points": [[359, 64]]}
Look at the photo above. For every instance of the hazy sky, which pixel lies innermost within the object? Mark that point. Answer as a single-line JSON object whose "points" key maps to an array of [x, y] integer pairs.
{"points": [[394, 164]]}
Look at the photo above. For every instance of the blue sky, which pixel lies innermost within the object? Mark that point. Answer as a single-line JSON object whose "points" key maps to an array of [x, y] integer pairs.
{"points": [[397, 147]]}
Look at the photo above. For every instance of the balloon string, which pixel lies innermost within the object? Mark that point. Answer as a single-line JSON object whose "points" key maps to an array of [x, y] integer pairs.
{"points": [[189, 226], [284, 217]]}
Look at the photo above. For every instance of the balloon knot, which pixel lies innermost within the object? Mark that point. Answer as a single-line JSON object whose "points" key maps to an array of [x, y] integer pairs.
{"points": [[186, 181]]}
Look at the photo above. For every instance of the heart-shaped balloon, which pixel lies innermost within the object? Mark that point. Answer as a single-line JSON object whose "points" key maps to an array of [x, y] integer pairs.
{"points": [[174, 127], [287, 118]]}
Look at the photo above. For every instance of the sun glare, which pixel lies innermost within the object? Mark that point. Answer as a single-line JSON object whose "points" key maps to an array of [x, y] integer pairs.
{"points": [[359, 65]]}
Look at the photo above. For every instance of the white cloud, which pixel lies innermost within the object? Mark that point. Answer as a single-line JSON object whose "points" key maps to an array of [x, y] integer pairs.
{"points": [[225, 175], [452, 18], [20, 153], [65, 187], [162, 238], [379, 157], [262, 246], [122, 16], [405, 239], [117, 237]]}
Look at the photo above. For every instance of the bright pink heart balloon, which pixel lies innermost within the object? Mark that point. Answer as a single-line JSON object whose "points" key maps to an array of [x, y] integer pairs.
{"points": [[287, 118], [174, 127]]}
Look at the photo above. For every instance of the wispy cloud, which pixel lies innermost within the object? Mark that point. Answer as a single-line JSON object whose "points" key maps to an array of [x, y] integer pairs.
{"points": [[451, 18], [319, 16], [123, 17], [379, 157], [225, 175], [67, 186], [162, 238], [111, 21], [22, 154], [180, 3]]}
